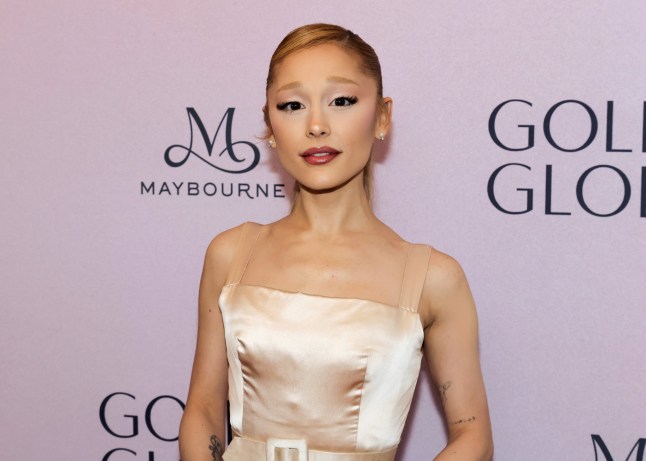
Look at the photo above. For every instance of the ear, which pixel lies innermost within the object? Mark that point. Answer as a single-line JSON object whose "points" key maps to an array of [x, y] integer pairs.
{"points": [[384, 118]]}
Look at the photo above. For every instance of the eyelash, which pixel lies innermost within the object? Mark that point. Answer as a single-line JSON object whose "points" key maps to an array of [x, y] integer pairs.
{"points": [[291, 106], [351, 100], [288, 106]]}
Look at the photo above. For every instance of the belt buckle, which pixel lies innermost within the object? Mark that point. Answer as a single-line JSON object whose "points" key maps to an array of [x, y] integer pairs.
{"points": [[294, 444]]}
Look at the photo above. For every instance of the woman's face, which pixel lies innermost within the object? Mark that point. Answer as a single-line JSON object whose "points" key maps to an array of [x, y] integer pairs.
{"points": [[325, 116]]}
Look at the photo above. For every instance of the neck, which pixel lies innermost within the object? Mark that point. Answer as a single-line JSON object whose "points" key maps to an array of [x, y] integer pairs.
{"points": [[334, 211]]}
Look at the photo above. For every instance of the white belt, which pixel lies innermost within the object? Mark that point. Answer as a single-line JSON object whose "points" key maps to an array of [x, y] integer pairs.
{"points": [[245, 449]]}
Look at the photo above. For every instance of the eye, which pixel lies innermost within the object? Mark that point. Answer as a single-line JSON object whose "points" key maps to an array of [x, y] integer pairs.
{"points": [[342, 101], [289, 106]]}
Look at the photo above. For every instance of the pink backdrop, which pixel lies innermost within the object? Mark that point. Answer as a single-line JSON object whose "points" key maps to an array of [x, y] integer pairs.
{"points": [[100, 276]]}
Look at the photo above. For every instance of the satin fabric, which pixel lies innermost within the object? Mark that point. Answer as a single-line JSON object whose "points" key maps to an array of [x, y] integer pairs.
{"points": [[338, 372]]}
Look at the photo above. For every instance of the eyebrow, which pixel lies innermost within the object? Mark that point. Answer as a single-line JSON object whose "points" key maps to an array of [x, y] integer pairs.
{"points": [[332, 79]]}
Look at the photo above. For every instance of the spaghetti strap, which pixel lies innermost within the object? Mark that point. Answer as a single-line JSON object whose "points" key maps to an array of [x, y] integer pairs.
{"points": [[414, 276], [246, 242]]}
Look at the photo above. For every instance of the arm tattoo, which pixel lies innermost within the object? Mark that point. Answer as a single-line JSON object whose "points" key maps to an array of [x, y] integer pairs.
{"points": [[460, 421], [443, 388], [216, 448]]}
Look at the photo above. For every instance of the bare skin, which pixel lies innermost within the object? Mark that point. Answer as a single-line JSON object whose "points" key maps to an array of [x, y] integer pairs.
{"points": [[451, 349], [205, 412], [330, 244]]}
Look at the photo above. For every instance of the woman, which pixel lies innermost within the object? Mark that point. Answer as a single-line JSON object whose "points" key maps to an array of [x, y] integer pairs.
{"points": [[313, 326]]}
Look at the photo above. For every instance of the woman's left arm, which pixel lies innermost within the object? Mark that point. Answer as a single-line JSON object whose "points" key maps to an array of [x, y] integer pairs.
{"points": [[451, 348]]}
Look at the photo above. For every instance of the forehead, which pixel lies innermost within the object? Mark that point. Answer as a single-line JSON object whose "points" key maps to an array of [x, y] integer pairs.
{"points": [[320, 62]]}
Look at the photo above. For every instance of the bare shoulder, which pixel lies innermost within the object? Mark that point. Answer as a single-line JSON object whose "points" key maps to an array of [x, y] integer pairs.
{"points": [[221, 250], [222, 246], [445, 273], [446, 289]]}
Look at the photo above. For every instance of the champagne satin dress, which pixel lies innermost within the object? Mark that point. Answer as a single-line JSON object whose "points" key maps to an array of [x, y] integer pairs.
{"points": [[319, 378]]}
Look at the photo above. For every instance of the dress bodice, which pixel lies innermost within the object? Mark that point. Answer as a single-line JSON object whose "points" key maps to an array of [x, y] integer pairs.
{"points": [[338, 372]]}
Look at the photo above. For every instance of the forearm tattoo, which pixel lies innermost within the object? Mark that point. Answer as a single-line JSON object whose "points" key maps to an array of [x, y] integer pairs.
{"points": [[460, 421], [443, 388], [216, 448]]}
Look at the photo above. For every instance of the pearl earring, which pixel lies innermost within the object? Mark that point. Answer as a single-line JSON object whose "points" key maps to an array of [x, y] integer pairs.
{"points": [[382, 136], [271, 143]]}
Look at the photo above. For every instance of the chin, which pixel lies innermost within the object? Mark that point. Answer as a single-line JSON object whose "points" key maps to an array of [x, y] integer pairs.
{"points": [[324, 186]]}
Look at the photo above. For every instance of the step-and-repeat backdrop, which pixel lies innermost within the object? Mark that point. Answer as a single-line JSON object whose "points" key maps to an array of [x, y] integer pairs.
{"points": [[130, 137]]}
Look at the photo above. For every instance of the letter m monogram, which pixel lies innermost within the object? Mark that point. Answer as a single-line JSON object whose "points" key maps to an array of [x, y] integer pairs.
{"points": [[599, 446], [209, 144]]}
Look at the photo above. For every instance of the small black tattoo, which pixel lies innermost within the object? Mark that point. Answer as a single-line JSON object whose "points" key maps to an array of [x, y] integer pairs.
{"points": [[216, 448], [460, 421], [443, 388]]}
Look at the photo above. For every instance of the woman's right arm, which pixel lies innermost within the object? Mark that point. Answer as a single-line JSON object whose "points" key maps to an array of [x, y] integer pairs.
{"points": [[202, 429]]}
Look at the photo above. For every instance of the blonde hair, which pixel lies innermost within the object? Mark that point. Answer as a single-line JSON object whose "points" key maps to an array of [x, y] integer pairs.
{"points": [[311, 35]]}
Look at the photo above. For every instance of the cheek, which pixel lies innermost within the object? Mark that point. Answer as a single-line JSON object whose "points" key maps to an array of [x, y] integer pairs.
{"points": [[284, 128], [364, 123]]}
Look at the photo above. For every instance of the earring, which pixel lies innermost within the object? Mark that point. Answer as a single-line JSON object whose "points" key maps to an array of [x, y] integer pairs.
{"points": [[271, 143], [382, 136]]}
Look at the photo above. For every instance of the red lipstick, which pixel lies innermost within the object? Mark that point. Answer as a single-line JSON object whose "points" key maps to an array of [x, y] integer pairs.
{"points": [[320, 155]]}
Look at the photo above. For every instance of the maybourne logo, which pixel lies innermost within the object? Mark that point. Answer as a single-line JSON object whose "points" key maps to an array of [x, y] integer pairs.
{"points": [[234, 164], [602, 453], [222, 154]]}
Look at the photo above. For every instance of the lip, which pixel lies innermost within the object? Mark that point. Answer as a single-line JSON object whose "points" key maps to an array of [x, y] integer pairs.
{"points": [[320, 155], [320, 150]]}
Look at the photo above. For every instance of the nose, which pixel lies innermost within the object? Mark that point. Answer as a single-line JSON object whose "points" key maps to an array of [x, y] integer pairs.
{"points": [[317, 124]]}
